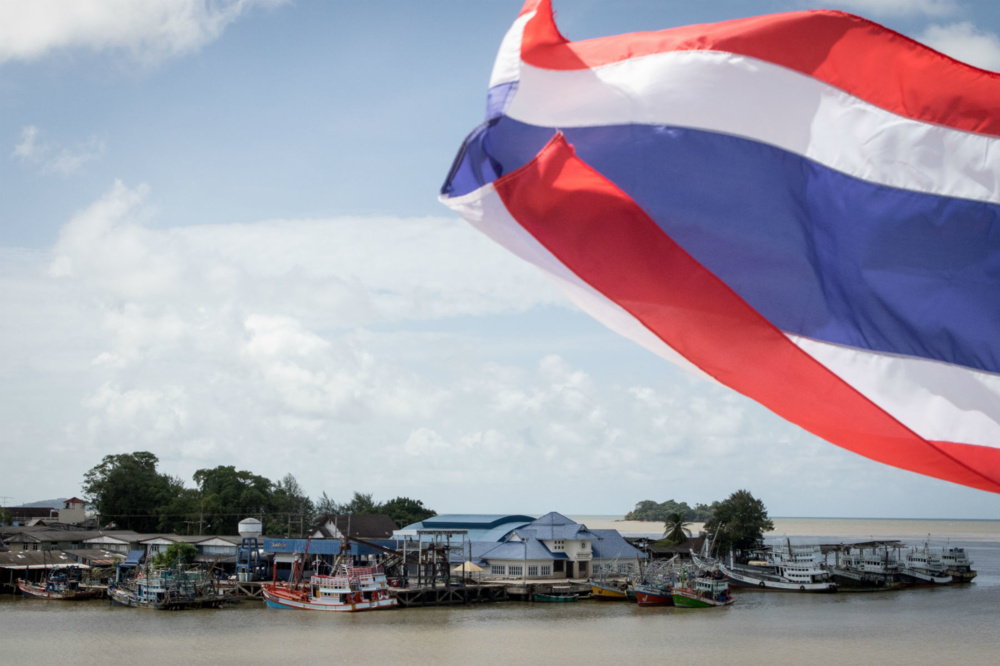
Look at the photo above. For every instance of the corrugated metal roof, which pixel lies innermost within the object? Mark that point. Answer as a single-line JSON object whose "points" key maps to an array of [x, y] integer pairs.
{"points": [[610, 544], [469, 521]]}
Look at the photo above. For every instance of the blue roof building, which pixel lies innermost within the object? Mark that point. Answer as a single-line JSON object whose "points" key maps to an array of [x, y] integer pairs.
{"points": [[552, 546], [480, 527]]}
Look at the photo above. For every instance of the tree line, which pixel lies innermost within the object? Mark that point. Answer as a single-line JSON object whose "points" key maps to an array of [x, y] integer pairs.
{"points": [[650, 511], [129, 492]]}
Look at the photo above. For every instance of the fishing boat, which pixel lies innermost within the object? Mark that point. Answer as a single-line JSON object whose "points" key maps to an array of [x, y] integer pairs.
{"points": [[653, 595], [168, 589], [868, 566], [957, 564], [922, 567], [64, 583], [350, 589], [605, 590], [702, 592], [785, 567]]}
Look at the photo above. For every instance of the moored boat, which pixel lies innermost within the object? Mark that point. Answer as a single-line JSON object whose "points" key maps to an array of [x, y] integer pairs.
{"points": [[168, 589], [786, 567], [653, 595], [351, 589], [607, 591], [555, 598], [63, 583], [957, 564], [919, 566], [868, 566], [702, 592]]}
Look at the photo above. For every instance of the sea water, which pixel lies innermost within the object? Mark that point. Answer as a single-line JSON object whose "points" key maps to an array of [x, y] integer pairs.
{"points": [[955, 624]]}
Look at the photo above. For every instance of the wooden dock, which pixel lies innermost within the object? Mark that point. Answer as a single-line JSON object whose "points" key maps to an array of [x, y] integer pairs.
{"points": [[455, 595]]}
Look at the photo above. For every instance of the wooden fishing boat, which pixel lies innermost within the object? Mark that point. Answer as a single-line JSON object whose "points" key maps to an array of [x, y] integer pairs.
{"points": [[606, 591], [653, 595], [352, 589], [63, 583], [168, 589], [702, 592]]}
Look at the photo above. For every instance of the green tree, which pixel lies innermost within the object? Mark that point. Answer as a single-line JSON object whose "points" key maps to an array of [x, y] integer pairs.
{"points": [[362, 503], [127, 491], [179, 551], [228, 496], [405, 511], [675, 528], [181, 515], [650, 511], [738, 524], [293, 511]]}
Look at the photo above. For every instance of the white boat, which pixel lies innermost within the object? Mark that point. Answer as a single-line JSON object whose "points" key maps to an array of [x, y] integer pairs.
{"points": [[957, 564], [920, 566], [870, 566], [785, 567], [351, 589]]}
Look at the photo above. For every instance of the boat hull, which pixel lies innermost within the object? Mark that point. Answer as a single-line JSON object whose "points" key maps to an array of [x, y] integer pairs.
{"points": [[740, 579], [39, 592], [690, 599], [603, 592], [646, 595], [286, 599], [555, 598]]}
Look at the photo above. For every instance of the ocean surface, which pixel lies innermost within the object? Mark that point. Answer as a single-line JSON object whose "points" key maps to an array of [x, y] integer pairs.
{"points": [[956, 624]]}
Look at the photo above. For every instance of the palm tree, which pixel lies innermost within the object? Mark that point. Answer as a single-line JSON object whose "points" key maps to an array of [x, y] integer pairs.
{"points": [[675, 528]]}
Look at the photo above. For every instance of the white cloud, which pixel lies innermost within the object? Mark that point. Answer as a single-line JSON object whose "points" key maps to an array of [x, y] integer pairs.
{"points": [[324, 348], [51, 157], [26, 150], [150, 31], [898, 7], [965, 42]]}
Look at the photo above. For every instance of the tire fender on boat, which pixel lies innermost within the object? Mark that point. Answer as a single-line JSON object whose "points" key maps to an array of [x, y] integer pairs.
{"points": [[802, 588], [761, 584]]}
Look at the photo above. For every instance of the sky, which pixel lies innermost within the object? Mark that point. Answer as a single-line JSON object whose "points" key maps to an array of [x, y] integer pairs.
{"points": [[220, 241]]}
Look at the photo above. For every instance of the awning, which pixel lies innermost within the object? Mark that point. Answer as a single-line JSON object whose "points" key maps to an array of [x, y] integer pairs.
{"points": [[134, 558]]}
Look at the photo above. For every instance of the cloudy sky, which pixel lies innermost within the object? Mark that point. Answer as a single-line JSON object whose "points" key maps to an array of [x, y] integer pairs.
{"points": [[220, 241]]}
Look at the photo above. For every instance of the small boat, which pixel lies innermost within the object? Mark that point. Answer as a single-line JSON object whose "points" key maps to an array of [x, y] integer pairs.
{"points": [[168, 589], [556, 598], [653, 595], [64, 583], [606, 591], [702, 592], [351, 589]]}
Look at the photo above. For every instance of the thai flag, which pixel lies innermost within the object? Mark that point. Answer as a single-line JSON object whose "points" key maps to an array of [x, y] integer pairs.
{"points": [[804, 207]]}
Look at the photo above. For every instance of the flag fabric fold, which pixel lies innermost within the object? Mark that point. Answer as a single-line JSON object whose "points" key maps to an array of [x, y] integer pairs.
{"points": [[804, 207]]}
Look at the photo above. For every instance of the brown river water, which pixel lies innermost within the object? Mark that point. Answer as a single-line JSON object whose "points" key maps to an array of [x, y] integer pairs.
{"points": [[946, 625]]}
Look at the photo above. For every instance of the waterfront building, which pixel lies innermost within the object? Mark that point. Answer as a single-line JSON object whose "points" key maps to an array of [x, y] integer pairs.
{"points": [[521, 547]]}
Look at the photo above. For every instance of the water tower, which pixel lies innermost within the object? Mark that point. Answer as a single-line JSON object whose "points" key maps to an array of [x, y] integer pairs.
{"points": [[249, 565]]}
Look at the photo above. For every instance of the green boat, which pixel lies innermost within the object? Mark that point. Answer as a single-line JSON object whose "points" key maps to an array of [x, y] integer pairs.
{"points": [[703, 593]]}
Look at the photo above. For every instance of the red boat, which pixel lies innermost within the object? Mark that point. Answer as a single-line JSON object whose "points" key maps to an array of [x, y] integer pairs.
{"points": [[653, 595]]}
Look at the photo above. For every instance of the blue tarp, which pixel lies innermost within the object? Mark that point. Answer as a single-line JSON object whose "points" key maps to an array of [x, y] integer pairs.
{"points": [[134, 558]]}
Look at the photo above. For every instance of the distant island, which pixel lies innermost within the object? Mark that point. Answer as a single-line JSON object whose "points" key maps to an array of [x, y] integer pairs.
{"points": [[650, 511]]}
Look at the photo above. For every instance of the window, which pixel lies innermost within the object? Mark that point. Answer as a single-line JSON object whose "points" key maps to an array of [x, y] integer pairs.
{"points": [[546, 570], [515, 570], [624, 568], [533, 571], [498, 569]]}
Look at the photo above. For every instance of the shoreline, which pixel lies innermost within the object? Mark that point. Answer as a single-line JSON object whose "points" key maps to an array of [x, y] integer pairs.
{"points": [[936, 530]]}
